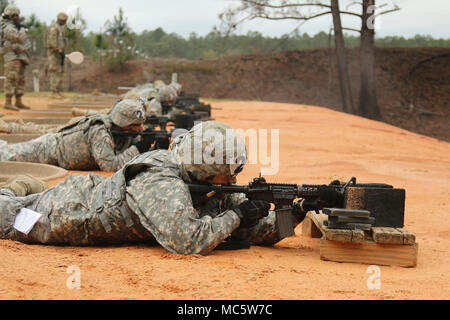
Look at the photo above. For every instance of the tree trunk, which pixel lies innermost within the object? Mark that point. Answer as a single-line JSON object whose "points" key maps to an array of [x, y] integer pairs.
{"points": [[368, 106], [344, 78]]}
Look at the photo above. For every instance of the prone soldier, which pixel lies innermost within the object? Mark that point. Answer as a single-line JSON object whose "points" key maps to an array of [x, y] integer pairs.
{"points": [[149, 199], [87, 143]]}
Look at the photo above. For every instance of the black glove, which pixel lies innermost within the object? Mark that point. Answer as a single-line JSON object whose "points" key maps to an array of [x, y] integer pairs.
{"points": [[298, 213], [251, 211], [145, 144], [328, 197]]}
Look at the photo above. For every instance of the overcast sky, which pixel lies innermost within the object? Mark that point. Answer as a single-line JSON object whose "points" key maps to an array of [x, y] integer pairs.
{"points": [[186, 16]]}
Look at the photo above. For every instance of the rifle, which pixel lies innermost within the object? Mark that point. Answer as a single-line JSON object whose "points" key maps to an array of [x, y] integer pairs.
{"points": [[161, 138], [184, 120], [283, 196], [63, 57], [192, 100]]}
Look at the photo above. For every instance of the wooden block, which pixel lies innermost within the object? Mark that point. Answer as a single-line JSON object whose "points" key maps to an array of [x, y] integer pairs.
{"points": [[387, 235], [309, 228], [369, 253], [342, 235], [408, 238]]}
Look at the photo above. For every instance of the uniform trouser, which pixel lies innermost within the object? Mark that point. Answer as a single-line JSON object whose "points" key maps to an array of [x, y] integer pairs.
{"points": [[69, 216], [15, 77], [39, 150], [56, 71]]}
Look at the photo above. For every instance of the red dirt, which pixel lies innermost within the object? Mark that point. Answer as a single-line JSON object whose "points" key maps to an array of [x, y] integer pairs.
{"points": [[317, 145]]}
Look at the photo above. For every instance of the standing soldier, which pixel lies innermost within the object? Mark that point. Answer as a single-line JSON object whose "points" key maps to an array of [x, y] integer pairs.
{"points": [[56, 43], [15, 44]]}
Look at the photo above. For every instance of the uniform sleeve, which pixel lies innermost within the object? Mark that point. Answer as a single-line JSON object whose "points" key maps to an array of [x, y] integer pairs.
{"points": [[164, 206], [20, 48], [103, 151], [52, 38], [12, 34]]}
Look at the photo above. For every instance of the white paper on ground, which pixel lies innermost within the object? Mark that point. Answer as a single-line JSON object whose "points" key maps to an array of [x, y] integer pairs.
{"points": [[26, 219]]}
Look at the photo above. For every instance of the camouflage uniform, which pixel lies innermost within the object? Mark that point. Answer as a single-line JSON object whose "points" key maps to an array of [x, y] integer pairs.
{"points": [[19, 126], [165, 94], [15, 47], [56, 43], [86, 144], [147, 199]]}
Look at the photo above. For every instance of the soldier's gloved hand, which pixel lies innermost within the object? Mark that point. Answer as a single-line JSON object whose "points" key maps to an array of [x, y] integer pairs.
{"points": [[298, 213], [328, 196], [145, 144], [251, 211]]}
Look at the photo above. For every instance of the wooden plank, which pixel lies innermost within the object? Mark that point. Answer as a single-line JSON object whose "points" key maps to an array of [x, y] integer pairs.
{"points": [[310, 229], [387, 235], [369, 253]]}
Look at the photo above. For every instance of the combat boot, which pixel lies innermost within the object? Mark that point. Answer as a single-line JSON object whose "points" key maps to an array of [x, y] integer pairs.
{"points": [[77, 112], [24, 184], [8, 103], [19, 103]]}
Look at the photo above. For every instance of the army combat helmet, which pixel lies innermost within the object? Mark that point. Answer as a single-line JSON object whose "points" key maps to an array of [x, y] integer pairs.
{"points": [[62, 17], [209, 149], [167, 94], [127, 113], [11, 10]]}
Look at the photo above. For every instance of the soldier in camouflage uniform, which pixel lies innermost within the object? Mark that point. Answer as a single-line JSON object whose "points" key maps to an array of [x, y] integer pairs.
{"points": [[167, 95], [87, 144], [153, 101], [56, 43], [15, 45], [148, 199]]}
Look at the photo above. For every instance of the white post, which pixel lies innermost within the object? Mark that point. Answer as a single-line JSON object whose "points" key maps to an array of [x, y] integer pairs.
{"points": [[36, 80], [174, 77]]}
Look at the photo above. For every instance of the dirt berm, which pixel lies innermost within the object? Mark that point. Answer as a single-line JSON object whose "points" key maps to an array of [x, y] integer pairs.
{"points": [[302, 76]]}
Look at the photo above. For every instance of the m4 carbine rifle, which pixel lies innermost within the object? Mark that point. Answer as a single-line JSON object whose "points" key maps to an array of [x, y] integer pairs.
{"points": [[160, 138], [286, 198]]}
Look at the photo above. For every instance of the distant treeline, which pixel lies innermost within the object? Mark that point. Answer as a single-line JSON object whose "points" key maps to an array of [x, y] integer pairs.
{"points": [[158, 43]]}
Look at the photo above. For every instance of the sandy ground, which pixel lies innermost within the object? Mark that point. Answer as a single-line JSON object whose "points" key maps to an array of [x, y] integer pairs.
{"points": [[316, 146]]}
